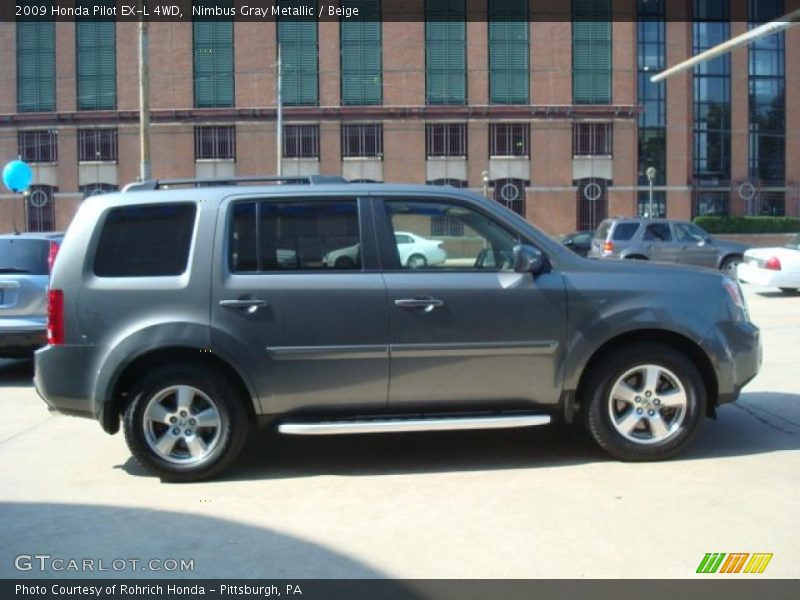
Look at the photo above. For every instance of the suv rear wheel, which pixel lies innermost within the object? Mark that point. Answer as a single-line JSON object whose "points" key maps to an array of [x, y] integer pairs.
{"points": [[645, 402], [185, 423]]}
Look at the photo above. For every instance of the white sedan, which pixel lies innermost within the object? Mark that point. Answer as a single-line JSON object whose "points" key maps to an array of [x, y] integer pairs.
{"points": [[416, 252], [773, 267]]}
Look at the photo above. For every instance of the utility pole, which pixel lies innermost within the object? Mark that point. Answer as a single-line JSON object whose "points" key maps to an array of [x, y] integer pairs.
{"points": [[651, 175], [145, 170], [279, 117]]}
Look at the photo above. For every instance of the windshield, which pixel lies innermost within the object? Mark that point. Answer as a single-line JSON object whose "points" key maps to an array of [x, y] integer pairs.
{"points": [[22, 255]]}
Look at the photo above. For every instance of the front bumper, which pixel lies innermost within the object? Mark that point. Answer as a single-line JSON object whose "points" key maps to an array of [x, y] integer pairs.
{"points": [[736, 353], [21, 344]]}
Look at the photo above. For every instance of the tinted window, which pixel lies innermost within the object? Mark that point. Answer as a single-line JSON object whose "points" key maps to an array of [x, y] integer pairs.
{"points": [[657, 232], [482, 244], [25, 256], [292, 236], [686, 232], [602, 230], [145, 241], [625, 231]]}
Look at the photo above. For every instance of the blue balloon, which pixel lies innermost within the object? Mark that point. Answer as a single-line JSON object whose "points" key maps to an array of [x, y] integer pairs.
{"points": [[17, 176]]}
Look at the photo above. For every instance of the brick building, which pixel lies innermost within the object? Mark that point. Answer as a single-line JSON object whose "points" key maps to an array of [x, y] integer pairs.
{"points": [[558, 115]]}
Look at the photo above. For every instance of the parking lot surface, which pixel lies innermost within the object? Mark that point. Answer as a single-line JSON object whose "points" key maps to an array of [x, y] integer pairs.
{"points": [[500, 504]]}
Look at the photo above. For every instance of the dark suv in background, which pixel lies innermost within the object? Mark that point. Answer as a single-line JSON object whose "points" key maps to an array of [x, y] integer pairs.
{"points": [[25, 262], [193, 312], [665, 240]]}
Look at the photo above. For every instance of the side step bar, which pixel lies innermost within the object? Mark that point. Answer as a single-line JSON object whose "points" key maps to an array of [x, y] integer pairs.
{"points": [[398, 425]]}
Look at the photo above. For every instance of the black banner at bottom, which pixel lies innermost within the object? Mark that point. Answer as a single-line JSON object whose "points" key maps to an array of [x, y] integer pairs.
{"points": [[399, 589]]}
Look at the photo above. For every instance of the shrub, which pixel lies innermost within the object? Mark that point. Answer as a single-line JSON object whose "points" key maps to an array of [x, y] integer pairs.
{"points": [[749, 224]]}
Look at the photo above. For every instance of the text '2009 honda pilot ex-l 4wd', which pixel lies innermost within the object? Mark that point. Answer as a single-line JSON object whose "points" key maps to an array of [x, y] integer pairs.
{"points": [[190, 313]]}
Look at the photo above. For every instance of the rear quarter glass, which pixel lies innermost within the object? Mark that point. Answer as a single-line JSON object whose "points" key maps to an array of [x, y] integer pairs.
{"points": [[624, 232]]}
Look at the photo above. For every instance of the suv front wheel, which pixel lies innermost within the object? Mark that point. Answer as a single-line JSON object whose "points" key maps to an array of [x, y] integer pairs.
{"points": [[184, 423], [645, 402]]}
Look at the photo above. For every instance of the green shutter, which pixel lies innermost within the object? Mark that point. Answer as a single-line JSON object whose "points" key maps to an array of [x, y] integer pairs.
{"points": [[509, 51], [445, 52], [299, 62], [361, 53], [591, 52], [36, 66], [213, 61], [96, 51]]}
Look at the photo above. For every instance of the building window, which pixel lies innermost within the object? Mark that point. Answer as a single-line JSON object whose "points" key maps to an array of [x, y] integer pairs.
{"points": [[96, 53], [509, 52], [592, 203], [652, 142], [38, 146], [215, 143], [36, 66], [360, 43], [299, 59], [456, 183], [213, 58], [301, 141], [712, 93], [767, 70], [364, 140], [511, 194], [40, 210], [591, 51], [592, 139], [97, 189], [445, 52], [97, 145], [710, 203], [446, 139], [509, 139]]}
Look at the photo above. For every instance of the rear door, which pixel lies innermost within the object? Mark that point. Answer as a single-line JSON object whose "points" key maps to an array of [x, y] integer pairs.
{"points": [[24, 275], [467, 330], [312, 329]]}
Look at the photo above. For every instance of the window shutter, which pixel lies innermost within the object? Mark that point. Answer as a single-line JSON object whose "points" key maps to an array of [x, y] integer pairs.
{"points": [[361, 54], [446, 52], [213, 62], [591, 52], [36, 66], [299, 62], [509, 52], [97, 70]]}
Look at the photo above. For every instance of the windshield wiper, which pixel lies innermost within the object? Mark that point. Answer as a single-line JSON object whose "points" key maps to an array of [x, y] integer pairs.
{"points": [[13, 270]]}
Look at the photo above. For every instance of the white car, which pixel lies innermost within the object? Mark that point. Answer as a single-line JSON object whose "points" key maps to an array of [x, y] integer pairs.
{"points": [[773, 267], [416, 252]]}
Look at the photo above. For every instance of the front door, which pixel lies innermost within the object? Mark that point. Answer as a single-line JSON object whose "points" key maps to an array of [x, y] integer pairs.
{"points": [[299, 301], [694, 246], [465, 328], [658, 242]]}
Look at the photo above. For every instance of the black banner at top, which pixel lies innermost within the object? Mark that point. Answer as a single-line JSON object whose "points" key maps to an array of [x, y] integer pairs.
{"points": [[383, 10]]}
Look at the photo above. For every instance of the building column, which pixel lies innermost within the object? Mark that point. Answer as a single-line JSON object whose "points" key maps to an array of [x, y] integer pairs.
{"points": [[680, 115]]}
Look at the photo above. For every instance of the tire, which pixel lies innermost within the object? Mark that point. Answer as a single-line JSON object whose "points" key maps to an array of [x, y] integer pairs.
{"points": [[661, 431], [729, 265], [417, 261], [636, 257], [788, 290], [344, 262], [153, 417]]}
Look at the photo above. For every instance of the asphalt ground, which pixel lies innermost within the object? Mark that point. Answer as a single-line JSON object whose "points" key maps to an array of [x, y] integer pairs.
{"points": [[544, 502]]}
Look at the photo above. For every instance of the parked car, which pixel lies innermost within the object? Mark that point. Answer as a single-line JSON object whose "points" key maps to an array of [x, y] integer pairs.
{"points": [[415, 251], [170, 316], [25, 263], [665, 240], [773, 267], [580, 242]]}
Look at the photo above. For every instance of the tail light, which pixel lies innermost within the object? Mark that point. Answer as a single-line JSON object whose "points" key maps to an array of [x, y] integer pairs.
{"points": [[773, 264], [55, 317], [608, 247], [51, 255]]}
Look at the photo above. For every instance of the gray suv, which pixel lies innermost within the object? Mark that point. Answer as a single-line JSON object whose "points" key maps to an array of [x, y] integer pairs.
{"points": [[665, 241], [190, 314]]}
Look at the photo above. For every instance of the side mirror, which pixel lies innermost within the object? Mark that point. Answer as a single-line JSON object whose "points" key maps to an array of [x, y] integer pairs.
{"points": [[569, 243], [528, 259]]}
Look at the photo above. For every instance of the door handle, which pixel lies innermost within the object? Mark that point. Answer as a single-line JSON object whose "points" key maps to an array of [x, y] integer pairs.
{"points": [[251, 305], [428, 304]]}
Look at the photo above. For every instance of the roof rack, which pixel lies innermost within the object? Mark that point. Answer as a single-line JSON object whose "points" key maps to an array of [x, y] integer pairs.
{"points": [[155, 184]]}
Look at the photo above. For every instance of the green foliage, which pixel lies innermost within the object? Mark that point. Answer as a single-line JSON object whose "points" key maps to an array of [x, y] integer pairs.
{"points": [[749, 224]]}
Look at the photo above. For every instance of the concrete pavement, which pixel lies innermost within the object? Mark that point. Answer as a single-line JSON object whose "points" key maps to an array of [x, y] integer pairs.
{"points": [[499, 504]]}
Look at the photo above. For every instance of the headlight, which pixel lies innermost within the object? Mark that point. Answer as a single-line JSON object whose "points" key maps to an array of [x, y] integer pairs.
{"points": [[735, 292]]}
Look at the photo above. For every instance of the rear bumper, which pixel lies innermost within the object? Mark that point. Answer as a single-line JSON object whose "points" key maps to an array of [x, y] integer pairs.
{"points": [[63, 379], [752, 274], [736, 353], [21, 344]]}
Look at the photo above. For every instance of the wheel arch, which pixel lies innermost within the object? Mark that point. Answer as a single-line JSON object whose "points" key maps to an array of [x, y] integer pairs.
{"points": [[675, 340], [128, 375]]}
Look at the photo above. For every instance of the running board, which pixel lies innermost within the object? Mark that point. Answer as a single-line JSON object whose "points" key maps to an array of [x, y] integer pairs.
{"points": [[398, 425]]}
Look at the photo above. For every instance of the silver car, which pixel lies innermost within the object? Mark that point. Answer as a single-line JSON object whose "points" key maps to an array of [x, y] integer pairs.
{"points": [[25, 262], [665, 240], [174, 316]]}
